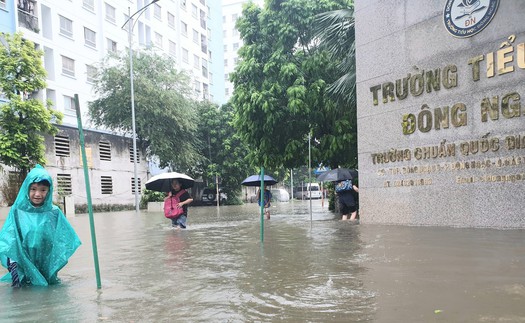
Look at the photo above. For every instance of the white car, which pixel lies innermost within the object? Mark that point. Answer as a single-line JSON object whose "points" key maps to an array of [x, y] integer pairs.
{"points": [[280, 195]]}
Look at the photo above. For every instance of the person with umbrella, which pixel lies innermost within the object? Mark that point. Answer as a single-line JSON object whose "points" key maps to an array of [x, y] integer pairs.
{"points": [[266, 203], [347, 202], [255, 180], [178, 198], [345, 189]]}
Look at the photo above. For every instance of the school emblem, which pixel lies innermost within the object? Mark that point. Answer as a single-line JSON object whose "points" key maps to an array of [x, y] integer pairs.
{"points": [[465, 18]]}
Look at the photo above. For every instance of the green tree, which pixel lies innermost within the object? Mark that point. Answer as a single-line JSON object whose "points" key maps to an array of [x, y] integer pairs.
{"points": [[24, 119], [165, 114], [335, 31], [281, 85], [224, 151]]}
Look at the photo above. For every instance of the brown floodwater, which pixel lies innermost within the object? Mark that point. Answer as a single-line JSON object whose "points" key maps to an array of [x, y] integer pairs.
{"points": [[308, 269]]}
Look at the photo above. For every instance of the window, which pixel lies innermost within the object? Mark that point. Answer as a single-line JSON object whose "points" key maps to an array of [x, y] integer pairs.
{"points": [[197, 87], [205, 91], [184, 28], [195, 36], [225, 62], [64, 184], [235, 33], [203, 19], [223, 19], [68, 66], [235, 46], [225, 48], [224, 33], [236, 60], [183, 4], [66, 26], [172, 49], [226, 76], [158, 40], [89, 5], [91, 72], [110, 13], [69, 103], [133, 185], [204, 44], [157, 12], [2, 4], [196, 61], [185, 55], [90, 38], [62, 146], [131, 154], [112, 45], [106, 184], [104, 148], [204, 66], [171, 20], [234, 17], [194, 10]]}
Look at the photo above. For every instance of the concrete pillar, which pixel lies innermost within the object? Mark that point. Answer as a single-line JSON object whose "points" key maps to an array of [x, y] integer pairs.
{"points": [[69, 206]]}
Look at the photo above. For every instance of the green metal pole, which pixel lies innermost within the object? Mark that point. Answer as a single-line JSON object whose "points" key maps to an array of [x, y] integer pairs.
{"points": [[261, 198], [309, 191], [88, 191]]}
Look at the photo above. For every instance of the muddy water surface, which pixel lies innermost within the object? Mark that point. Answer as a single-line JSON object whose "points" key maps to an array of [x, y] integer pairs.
{"points": [[322, 270]]}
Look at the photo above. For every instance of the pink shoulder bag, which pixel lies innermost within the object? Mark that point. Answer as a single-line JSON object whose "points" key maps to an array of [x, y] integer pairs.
{"points": [[172, 210]]}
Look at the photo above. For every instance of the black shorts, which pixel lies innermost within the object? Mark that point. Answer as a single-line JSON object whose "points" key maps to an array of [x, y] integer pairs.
{"points": [[347, 209]]}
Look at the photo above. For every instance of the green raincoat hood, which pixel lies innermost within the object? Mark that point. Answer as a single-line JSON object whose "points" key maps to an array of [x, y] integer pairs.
{"points": [[38, 238]]}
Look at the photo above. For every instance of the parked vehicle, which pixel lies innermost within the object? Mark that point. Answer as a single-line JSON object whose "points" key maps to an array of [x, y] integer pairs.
{"points": [[314, 191], [309, 191], [280, 195], [209, 196]]}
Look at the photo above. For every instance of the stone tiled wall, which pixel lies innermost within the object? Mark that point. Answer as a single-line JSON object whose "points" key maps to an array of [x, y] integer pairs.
{"points": [[453, 185]]}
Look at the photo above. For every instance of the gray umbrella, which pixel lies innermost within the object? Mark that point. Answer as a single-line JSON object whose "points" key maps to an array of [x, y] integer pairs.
{"points": [[337, 174]]}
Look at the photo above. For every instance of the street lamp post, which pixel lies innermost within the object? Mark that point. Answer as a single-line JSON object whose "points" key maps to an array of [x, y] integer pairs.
{"points": [[131, 25]]}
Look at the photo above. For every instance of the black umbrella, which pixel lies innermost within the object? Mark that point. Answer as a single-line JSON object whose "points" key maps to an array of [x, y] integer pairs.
{"points": [[255, 180], [337, 174], [162, 182]]}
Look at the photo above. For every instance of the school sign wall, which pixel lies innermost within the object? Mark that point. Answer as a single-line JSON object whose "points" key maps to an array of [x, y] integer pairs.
{"points": [[440, 121]]}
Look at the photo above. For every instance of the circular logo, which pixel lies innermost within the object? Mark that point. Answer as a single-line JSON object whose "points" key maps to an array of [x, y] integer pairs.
{"points": [[465, 18]]}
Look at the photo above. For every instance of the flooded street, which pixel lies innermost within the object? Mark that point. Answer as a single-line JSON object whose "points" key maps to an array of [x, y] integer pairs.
{"points": [[322, 270]]}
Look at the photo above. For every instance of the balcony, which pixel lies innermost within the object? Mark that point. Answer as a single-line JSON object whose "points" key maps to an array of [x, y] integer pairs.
{"points": [[26, 15]]}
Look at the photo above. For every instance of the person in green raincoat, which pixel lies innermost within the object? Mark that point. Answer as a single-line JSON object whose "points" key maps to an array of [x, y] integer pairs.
{"points": [[36, 240]]}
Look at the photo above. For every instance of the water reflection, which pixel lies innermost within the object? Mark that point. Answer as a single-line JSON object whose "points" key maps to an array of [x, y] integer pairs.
{"points": [[320, 271]]}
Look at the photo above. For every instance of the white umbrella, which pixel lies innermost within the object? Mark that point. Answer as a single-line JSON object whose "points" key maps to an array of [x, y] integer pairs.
{"points": [[162, 182]]}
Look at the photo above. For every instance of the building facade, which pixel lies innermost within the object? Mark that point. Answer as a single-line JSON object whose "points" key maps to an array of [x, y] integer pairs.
{"points": [[75, 35], [231, 39], [440, 119]]}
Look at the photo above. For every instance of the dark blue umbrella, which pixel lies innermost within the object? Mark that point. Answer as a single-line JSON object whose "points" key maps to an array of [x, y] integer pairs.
{"points": [[255, 180], [337, 174]]}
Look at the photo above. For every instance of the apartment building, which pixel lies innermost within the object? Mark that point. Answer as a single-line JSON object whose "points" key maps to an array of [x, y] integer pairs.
{"points": [[77, 34], [231, 39]]}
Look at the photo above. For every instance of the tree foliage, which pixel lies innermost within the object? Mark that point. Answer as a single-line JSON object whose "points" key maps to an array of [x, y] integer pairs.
{"points": [[224, 151], [24, 119], [165, 114], [336, 33], [281, 85]]}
